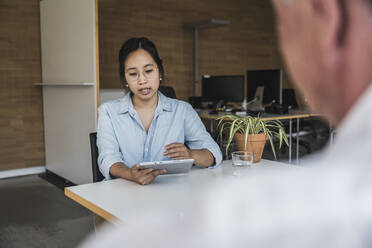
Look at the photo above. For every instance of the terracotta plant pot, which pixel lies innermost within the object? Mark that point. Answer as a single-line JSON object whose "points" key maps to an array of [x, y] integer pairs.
{"points": [[255, 144]]}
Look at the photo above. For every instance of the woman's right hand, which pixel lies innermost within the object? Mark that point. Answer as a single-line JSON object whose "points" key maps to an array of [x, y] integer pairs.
{"points": [[145, 176]]}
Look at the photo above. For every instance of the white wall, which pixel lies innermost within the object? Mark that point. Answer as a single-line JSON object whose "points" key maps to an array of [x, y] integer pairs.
{"points": [[106, 95]]}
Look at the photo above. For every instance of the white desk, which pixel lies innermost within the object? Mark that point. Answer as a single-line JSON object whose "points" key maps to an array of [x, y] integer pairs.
{"points": [[121, 200]]}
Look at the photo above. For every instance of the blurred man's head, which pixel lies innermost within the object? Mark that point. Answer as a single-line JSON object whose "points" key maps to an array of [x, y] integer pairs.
{"points": [[327, 46]]}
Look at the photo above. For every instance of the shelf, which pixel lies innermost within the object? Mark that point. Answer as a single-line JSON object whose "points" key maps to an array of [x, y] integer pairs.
{"points": [[211, 23], [65, 84]]}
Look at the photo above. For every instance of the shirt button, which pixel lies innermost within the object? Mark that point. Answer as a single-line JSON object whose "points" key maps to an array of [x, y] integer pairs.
{"points": [[146, 150]]}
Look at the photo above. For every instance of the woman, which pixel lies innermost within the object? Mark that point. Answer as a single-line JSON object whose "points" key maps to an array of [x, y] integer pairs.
{"points": [[145, 125]]}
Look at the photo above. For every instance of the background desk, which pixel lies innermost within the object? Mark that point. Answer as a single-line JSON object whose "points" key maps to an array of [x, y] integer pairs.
{"points": [[122, 200], [293, 114]]}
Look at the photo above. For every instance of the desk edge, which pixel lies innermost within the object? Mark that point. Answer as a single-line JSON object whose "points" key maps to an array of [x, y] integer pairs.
{"points": [[92, 207], [280, 117]]}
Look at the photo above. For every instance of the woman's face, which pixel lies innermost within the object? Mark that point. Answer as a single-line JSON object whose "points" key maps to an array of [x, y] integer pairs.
{"points": [[142, 75]]}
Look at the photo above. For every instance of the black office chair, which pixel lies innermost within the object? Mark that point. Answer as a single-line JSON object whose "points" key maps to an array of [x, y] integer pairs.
{"points": [[289, 98], [313, 127], [167, 91], [97, 175]]}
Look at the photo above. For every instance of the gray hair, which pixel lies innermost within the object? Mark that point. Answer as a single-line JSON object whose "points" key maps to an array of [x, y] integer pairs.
{"points": [[287, 2], [291, 1]]}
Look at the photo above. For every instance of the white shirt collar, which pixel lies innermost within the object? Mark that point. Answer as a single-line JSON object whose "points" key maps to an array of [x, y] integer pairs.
{"points": [[358, 120]]}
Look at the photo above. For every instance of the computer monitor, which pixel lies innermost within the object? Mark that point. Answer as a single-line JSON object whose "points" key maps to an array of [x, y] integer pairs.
{"points": [[223, 88], [271, 80]]}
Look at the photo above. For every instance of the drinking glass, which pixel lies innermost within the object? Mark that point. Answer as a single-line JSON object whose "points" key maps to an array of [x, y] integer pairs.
{"points": [[240, 160]]}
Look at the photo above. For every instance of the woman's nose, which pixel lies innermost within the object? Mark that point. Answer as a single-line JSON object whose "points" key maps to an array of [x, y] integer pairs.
{"points": [[142, 79]]}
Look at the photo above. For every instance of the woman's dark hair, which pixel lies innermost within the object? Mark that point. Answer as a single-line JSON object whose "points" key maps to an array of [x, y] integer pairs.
{"points": [[134, 44]]}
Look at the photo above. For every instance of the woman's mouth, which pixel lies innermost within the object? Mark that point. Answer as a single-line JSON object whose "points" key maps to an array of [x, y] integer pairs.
{"points": [[144, 91]]}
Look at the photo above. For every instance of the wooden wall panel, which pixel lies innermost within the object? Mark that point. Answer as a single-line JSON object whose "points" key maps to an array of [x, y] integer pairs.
{"points": [[249, 42], [21, 120]]}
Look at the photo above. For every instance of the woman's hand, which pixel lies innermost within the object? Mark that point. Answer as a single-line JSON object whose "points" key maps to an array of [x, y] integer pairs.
{"points": [[177, 151], [202, 157], [145, 176]]}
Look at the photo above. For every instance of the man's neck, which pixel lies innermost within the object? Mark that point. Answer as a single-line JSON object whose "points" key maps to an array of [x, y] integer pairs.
{"points": [[357, 74], [350, 100]]}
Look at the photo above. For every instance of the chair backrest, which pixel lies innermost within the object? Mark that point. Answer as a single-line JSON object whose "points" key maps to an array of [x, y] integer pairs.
{"points": [[97, 175], [289, 98], [168, 91]]}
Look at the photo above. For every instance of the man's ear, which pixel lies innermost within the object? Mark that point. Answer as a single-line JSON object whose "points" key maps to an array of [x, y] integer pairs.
{"points": [[332, 24], [332, 14]]}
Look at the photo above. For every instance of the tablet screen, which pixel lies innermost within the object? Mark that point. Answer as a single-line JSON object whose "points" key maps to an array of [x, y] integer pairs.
{"points": [[172, 166]]}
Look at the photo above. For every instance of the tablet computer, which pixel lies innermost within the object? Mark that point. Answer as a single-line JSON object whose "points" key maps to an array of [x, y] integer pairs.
{"points": [[172, 166]]}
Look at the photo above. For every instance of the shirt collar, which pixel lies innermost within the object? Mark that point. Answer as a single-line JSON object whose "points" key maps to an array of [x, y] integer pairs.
{"points": [[164, 104], [126, 104], [358, 119]]}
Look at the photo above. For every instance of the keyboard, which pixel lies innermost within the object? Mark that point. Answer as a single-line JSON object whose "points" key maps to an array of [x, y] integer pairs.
{"points": [[213, 112], [248, 112], [254, 113]]}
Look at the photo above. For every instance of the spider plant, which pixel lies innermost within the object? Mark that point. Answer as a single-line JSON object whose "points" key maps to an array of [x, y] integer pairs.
{"points": [[251, 125]]}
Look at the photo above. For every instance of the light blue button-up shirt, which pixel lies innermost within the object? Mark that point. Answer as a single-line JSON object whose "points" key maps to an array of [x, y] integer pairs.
{"points": [[121, 136]]}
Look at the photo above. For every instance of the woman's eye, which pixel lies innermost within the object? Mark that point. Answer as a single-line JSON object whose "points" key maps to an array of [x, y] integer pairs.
{"points": [[149, 71], [133, 74]]}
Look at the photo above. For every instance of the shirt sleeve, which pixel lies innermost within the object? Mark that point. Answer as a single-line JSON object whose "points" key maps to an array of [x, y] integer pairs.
{"points": [[197, 137], [107, 143]]}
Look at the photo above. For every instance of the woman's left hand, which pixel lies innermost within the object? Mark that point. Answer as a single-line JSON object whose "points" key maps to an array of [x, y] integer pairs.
{"points": [[177, 151]]}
